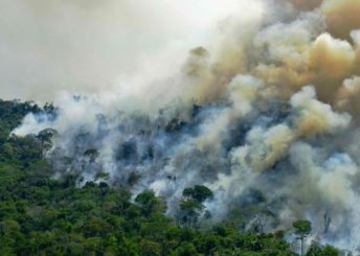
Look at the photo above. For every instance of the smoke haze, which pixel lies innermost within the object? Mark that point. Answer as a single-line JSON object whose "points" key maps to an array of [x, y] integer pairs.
{"points": [[76, 46], [239, 96]]}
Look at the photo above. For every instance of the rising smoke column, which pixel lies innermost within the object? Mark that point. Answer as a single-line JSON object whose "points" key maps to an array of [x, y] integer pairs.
{"points": [[270, 106]]}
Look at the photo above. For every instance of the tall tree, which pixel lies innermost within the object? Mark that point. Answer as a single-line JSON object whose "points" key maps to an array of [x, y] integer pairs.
{"points": [[302, 230]]}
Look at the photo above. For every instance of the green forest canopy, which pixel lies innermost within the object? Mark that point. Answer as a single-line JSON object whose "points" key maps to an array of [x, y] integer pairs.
{"points": [[44, 216]]}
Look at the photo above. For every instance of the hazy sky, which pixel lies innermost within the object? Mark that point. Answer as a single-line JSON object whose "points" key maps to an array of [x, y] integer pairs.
{"points": [[84, 45]]}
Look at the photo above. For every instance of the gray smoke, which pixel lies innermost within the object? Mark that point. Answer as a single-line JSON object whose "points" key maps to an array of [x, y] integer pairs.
{"points": [[264, 114]]}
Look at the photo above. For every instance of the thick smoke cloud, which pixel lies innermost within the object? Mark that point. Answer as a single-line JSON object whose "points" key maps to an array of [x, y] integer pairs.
{"points": [[264, 113]]}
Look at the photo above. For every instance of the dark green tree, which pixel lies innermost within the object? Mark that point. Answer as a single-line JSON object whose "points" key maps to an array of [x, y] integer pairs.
{"points": [[199, 193], [191, 206]]}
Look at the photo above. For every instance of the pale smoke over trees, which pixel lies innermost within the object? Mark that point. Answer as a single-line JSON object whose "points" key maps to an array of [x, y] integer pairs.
{"points": [[264, 113]]}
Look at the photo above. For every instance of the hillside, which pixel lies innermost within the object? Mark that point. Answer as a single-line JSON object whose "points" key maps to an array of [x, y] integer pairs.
{"points": [[44, 215], [223, 127]]}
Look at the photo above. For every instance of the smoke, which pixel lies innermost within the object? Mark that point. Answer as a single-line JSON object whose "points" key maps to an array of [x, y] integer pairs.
{"points": [[88, 46], [264, 112]]}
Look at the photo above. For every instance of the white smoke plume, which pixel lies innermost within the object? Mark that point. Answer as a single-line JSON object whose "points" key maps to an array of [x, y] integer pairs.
{"points": [[264, 112]]}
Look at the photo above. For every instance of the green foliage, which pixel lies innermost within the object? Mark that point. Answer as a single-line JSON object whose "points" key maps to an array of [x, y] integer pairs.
{"points": [[199, 193], [185, 249], [40, 216], [191, 207], [149, 203], [302, 227], [43, 216], [317, 250]]}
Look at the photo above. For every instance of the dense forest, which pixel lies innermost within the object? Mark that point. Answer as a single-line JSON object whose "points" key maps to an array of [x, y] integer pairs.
{"points": [[44, 215]]}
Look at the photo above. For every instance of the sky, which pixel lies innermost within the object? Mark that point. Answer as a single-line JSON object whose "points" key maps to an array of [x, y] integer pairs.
{"points": [[48, 47]]}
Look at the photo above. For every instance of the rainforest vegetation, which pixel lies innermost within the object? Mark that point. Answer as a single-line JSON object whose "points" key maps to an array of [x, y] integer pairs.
{"points": [[42, 214]]}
